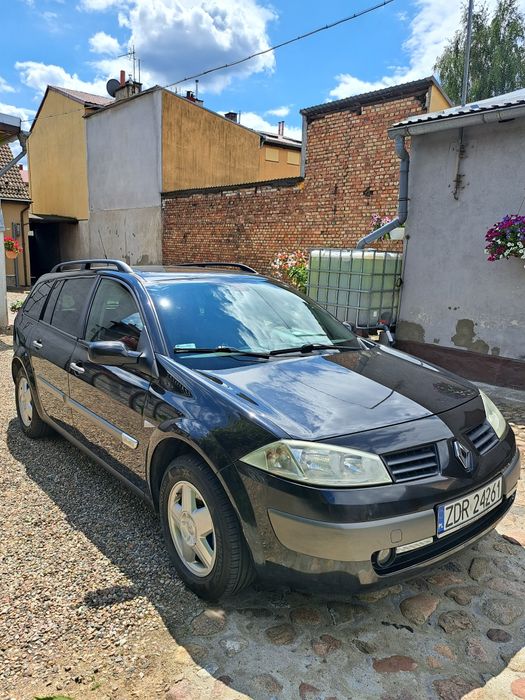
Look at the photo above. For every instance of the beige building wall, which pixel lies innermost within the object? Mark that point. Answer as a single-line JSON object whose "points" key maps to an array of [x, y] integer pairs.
{"points": [[12, 211], [437, 101], [57, 159], [278, 162], [202, 149]]}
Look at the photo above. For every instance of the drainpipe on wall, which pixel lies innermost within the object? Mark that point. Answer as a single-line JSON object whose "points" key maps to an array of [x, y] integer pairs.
{"points": [[402, 207]]}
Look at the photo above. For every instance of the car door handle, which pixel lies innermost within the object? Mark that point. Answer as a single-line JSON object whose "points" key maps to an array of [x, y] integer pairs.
{"points": [[37, 344], [76, 368]]}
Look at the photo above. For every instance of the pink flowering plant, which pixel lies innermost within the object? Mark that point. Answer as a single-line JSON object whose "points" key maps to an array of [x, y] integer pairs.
{"points": [[506, 239], [377, 221], [12, 245], [292, 268]]}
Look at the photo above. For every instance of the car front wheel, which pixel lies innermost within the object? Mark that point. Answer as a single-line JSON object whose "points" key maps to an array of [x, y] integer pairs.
{"points": [[202, 531]]}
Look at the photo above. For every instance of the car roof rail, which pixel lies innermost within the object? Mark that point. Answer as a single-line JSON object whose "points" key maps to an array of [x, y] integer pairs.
{"points": [[89, 265], [240, 266]]}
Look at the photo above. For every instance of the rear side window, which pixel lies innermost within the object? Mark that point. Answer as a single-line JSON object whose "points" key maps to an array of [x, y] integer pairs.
{"points": [[67, 314], [114, 315], [36, 300]]}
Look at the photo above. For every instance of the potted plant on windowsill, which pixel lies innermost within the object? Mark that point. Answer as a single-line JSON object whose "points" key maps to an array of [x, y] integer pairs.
{"points": [[12, 248], [506, 239]]}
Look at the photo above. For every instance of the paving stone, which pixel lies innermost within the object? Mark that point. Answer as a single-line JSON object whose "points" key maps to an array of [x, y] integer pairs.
{"points": [[455, 621], [476, 651], [281, 634], [394, 664], [497, 635], [506, 585], [182, 691], [364, 647], [380, 593], [463, 595], [306, 615], [445, 651], [326, 644], [256, 612], [517, 663], [268, 683], [209, 622], [434, 663], [233, 645], [453, 688], [419, 608], [480, 569], [445, 578], [309, 692], [502, 611], [517, 688], [345, 612]]}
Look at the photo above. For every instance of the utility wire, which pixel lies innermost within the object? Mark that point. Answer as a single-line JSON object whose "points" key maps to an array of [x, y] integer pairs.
{"points": [[283, 43], [366, 11]]}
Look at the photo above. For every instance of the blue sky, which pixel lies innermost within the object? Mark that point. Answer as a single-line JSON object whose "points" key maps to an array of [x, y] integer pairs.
{"points": [[76, 43]]}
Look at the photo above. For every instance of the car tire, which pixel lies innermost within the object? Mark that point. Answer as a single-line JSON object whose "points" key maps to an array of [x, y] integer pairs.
{"points": [[202, 532], [32, 424]]}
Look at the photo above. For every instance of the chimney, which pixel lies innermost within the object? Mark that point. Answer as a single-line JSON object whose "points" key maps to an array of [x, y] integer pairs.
{"points": [[232, 116], [127, 88], [280, 129]]}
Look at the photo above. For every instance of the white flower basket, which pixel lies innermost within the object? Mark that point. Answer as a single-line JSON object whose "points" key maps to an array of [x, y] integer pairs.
{"points": [[397, 234]]}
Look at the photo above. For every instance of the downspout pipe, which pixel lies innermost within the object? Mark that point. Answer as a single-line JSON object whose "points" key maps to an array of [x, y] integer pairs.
{"points": [[402, 206]]}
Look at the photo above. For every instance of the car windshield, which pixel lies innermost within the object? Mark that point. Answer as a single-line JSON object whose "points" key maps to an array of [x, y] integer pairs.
{"points": [[250, 314]]}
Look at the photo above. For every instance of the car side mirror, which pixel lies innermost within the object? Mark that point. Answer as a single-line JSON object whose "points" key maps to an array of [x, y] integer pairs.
{"points": [[349, 325], [112, 352]]}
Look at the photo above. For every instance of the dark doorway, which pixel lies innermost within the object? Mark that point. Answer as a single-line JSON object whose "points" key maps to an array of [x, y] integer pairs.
{"points": [[44, 248]]}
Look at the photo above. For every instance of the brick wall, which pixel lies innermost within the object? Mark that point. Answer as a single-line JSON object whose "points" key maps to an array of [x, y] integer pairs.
{"points": [[348, 154]]}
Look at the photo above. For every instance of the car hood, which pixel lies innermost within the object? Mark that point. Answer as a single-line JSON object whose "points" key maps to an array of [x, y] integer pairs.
{"points": [[325, 395]]}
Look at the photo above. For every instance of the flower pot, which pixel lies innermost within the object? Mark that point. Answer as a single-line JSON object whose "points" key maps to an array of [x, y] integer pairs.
{"points": [[11, 254], [397, 234]]}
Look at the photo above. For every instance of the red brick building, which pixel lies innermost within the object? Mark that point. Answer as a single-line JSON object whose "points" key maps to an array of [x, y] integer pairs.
{"points": [[350, 173]]}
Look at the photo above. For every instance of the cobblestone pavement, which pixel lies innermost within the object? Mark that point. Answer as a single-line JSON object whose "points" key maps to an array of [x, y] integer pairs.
{"points": [[90, 607]]}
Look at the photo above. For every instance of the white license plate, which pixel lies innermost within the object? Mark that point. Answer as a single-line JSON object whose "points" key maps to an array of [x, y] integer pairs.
{"points": [[456, 514]]}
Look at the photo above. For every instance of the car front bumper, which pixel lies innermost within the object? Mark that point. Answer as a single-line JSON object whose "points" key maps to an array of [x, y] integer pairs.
{"points": [[303, 550]]}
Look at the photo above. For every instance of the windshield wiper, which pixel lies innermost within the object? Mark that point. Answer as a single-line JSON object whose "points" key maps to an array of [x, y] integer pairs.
{"points": [[220, 349], [310, 347]]}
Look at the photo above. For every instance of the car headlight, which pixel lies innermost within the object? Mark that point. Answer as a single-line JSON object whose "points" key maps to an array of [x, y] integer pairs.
{"points": [[322, 465], [493, 414]]}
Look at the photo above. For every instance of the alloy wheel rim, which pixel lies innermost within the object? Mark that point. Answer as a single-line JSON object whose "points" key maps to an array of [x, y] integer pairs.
{"points": [[25, 402], [191, 528]]}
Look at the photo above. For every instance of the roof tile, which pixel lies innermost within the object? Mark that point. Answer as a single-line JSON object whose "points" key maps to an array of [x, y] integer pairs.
{"points": [[11, 185]]}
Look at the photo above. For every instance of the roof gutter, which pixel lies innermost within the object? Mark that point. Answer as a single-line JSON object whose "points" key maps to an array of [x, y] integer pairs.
{"points": [[402, 206], [458, 121]]}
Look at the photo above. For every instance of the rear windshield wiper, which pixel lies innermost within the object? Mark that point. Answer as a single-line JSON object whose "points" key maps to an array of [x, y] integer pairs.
{"points": [[220, 349], [310, 347]]}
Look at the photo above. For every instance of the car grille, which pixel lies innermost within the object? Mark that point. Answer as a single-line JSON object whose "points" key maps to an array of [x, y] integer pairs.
{"points": [[416, 463], [483, 437]]}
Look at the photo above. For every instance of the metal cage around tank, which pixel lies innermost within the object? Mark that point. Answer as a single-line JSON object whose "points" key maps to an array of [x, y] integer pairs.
{"points": [[360, 287]]}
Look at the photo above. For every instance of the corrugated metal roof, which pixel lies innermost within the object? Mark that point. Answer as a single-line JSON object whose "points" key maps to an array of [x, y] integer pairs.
{"points": [[280, 140], [508, 100], [389, 93], [11, 184], [85, 98]]}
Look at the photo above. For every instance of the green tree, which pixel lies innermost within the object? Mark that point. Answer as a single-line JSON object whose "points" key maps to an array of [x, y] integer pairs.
{"points": [[497, 55]]}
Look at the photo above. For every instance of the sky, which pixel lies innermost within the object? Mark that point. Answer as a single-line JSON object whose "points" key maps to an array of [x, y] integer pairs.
{"points": [[78, 44]]}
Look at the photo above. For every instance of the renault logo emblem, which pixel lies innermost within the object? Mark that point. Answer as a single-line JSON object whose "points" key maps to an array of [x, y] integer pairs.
{"points": [[465, 456]]}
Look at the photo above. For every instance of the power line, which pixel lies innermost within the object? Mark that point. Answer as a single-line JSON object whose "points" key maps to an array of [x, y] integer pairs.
{"points": [[283, 43], [356, 15]]}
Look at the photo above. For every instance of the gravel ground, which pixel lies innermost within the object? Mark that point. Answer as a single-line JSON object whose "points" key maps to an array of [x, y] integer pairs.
{"points": [[91, 608]]}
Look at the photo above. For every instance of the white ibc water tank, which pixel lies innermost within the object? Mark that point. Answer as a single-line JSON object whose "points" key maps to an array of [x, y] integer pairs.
{"points": [[358, 286]]}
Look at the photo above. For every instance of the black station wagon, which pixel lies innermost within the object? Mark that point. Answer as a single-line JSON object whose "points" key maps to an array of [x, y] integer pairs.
{"points": [[270, 438]]}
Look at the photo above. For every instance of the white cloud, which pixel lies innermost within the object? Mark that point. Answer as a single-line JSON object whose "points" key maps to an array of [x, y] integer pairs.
{"points": [[39, 75], [254, 121], [432, 26], [4, 86], [104, 43], [178, 38], [283, 111], [24, 113], [100, 5]]}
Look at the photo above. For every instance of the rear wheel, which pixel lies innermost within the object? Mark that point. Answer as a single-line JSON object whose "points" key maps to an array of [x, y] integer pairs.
{"points": [[32, 425], [202, 531]]}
